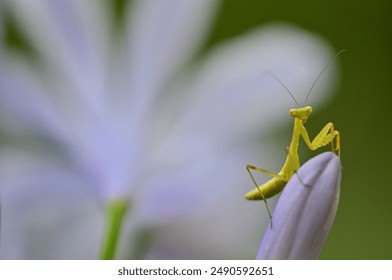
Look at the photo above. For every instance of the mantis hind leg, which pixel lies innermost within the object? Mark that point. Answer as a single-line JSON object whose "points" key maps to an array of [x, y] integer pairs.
{"points": [[250, 167]]}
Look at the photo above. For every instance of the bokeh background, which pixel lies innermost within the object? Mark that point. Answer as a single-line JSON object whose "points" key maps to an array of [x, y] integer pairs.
{"points": [[361, 108]]}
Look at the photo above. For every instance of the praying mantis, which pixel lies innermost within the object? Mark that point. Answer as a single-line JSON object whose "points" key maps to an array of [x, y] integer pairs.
{"points": [[327, 135]]}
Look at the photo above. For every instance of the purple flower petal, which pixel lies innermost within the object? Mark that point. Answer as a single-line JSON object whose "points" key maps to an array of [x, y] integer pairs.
{"points": [[304, 215]]}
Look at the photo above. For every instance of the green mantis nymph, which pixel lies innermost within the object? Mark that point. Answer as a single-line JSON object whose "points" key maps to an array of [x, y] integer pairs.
{"points": [[327, 135]]}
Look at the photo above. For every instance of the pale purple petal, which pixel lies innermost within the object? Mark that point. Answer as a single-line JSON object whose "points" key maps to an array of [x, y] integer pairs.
{"points": [[25, 108], [28, 107], [71, 36], [304, 215], [162, 36], [48, 212]]}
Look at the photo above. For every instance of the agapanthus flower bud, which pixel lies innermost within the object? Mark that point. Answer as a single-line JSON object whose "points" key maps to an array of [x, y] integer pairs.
{"points": [[305, 211]]}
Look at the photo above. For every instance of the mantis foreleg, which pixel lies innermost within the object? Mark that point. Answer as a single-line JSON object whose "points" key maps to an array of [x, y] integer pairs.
{"points": [[326, 136]]}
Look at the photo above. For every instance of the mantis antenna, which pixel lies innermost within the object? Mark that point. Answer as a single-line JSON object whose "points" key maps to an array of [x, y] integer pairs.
{"points": [[321, 73], [280, 82]]}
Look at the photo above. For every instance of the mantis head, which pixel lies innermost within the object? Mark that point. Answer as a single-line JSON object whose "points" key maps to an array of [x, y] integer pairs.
{"points": [[301, 113]]}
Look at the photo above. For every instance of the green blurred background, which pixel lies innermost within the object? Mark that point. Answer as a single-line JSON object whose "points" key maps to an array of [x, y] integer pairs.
{"points": [[361, 110]]}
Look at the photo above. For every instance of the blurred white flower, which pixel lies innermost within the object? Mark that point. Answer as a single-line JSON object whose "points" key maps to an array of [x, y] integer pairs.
{"points": [[304, 214], [99, 117]]}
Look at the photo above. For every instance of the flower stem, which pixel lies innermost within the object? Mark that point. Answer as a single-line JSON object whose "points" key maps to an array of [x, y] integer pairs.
{"points": [[116, 211]]}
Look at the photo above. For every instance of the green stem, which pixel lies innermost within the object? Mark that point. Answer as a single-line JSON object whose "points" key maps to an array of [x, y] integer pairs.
{"points": [[116, 211]]}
